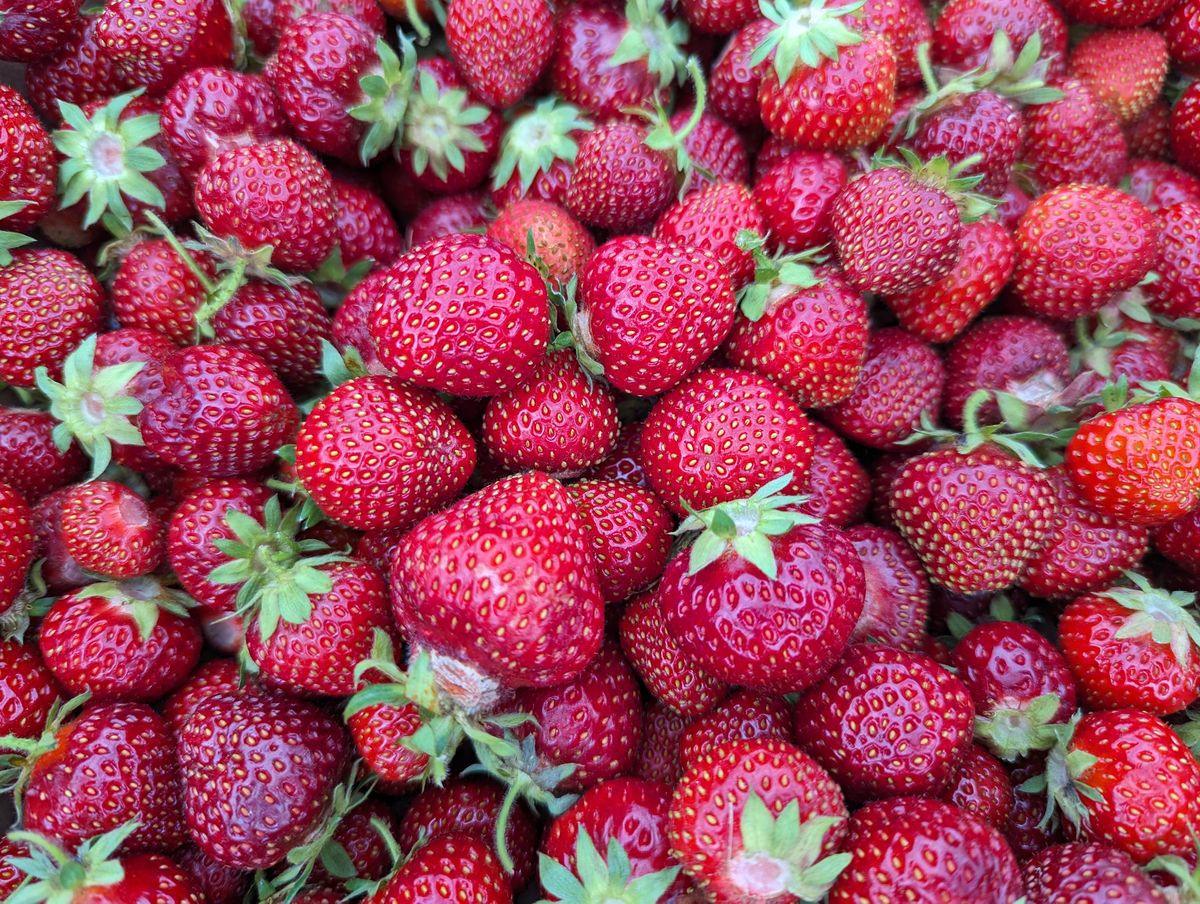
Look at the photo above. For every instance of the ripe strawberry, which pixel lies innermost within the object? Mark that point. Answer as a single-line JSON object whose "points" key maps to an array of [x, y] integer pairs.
{"points": [[217, 883], [562, 242], [743, 716], [941, 311], [719, 436], [284, 12], [463, 314], [886, 722], [620, 183], [1124, 70], [1082, 872], [420, 454], [109, 530], [366, 230], [962, 35], [624, 463], [79, 72], [1116, 15], [217, 676], [1073, 139], [537, 152], [33, 31], [16, 534], [49, 301], [27, 172], [1175, 292], [11, 878], [733, 81], [471, 806], [795, 196], [234, 431], [669, 675], [380, 733], [711, 220], [765, 599], [658, 760], [912, 842], [1078, 246], [897, 597], [558, 420], [630, 533], [804, 104], [718, 17], [981, 788], [971, 548], [1185, 129], [647, 338], [153, 44], [781, 818], [446, 216], [500, 47], [537, 606], [717, 150], [1085, 550], [154, 289], [839, 488], [360, 832], [28, 690], [902, 23], [128, 642], [274, 193], [1177, 541], [1181, 26], [305, 749], [900, 380], [1139, 464], [450, 868], [1149, 135], [113, 764]]}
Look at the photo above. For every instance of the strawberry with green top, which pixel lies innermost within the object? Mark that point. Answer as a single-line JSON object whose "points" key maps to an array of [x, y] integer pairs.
{"points": [[592, 876], [447, 869], [153, 44], [537, 152]]}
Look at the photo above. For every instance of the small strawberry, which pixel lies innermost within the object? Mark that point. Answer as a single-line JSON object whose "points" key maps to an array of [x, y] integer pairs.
{"points": [[658, 760], [562, 243], [16, 534], [1124, 70], [27, 172], [1082, 872], [743, 716], [897, 598], [217, 883], [839, 488], [1181, 26], [621, 182], [79, 72], [1185, 129], [1179, 541], [981, 788], [152, 44], [109, 530], [383, 736], [28, 689], [795, 197], [734, 80], [500, 47], [630, 531], [450, 868], [155, 289], [1073, 139], [366, 231]]}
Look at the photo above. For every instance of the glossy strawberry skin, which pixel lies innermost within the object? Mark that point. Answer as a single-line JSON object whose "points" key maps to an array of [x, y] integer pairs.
{"points": [[619, 184], [217, 676], [982, 123], [79, 72], [733, 82], [450, 868], [630, 531], [839, 488], [33, 31], [28, 690], [962, 34], [776, 635], [981, 788], [745, 715], [152, 44], [1088, 872], [1175, 292], [378, 732], [27, 173], [280, 805], [154, 289], [109, 530], [662, 728], [366, 229], [795, 196], [152, 877], [1073, 139], [1185, 129], [500, 46], [897, 596], [16, 532]]}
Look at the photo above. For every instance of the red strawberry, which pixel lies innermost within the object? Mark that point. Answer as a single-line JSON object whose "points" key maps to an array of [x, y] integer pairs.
{"points": [[28, 170], [902, 23], [79, 72], [217, 883], [562, 242], [743, 716], [1179, 540], [897, 598], [1027, 830], [108, 530], [795, 196], [1116, 15], [152, 44], [886, 722], [981, 788], [500, 47], [1081, 872], [1185, 129], [623, 463], [620, 183], [366, 230], [1139, 464], [780, 818], [1124, 70], [128, 642], [450, 868], [714, 147], [226, 734], [284, 12], [1073, 139], [380, 732], [896, 845], [217, 676], [448, 215], [1149, 135], [558, 420], [33, 31], [463, 314], [711, 220], [839, 487], [719, 436], [650, 313], [630, 531], [16, 541], [1159, 184], [537, 153], [658, 760], [733, 81], [420, 455], [1019, 683], [28, 690], [718, 17], [154, 289], [1175, 292]]}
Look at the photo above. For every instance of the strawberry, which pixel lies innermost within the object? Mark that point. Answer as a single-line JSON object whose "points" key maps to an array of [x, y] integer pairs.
{"points": [[886, 722], [1073, 139], [1116, 15], [623, 463], [285, 12], [1027, 830], [306, 750], [537, 606], [16, 530], [11, 878], [33, 31], [805, 104], [795, 197], [28, 690], [942, 310], [620, 183], [471, 806], [964, 30], [1175, 291], [719, 436], [716, 149], [79, 72], [1082, 872], [1138, 464], [43, 288], [487, 340], [274, 193], [448, 215], [1149, 135], [217, 676], [913, 842], [109, 530], [765, 599], [450, 868], [128, 642], [710, 220], [360, 832], [1078, 246], [1020, 684], [1181, 27], [780, 818], [719, 17], [900, 380], [904, 24], [743, 716], [1124, 70], [217, 883], [649, 312], [500, 47], [382, 736], [669, 675], [658, 760], [630, 532], [420, 454], [1185, 129], [537, 152], [734, 80], [562, 243], [153, 44], [1176, 540], [186, 427], [366, 230], [27, 172], [155, 289], [113, 764], [839, 487], [981, 788], [558, 420], [897, 597]]}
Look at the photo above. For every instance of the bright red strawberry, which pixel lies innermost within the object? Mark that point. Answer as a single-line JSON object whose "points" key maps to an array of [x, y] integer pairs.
{"points": [[217, 676], [1175, 292], [280, 805], [128, 642], [420, 454], [152, 44], [446, 216], [1139, 464], [471, 806], [366, 230], [1124, 70], [463, 314], [839, 488], [379, 732], [886, 722], [274, 193], [79, 72], [11, 878], [765, 599], [112, 764], [1080, 872], [1185, 129], [16, 543], [155, 289], [650, 313], [711, 220], [981, 788], [222, 412], [360, 833], [109, 530], [450, 868], [1073, 139], [500, 46], [897, 597], [719, 436], [662, 728], [620, 184], [33, 31], [743, 716], [28, 690], [900, 380], [623, 463], [733, 81], [1159, 184], [716, 149], [562, 242], [795, 196], [28, 170], [630, 532], [911, 842], [781, 814]]}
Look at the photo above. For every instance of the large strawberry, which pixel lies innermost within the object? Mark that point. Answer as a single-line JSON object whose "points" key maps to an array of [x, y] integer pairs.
{"points": [[16, 541], [1073, 139], [28, 688], [152, 44], [500, 47]]}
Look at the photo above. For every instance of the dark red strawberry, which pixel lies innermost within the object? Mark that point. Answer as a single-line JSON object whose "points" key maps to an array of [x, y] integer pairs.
{"points": [[217, 883], [839, 488], [79, 72], [1116, 15], [897, 598], [734, 80], [981, 788], [16, 541], [448, 215], [1080, 872], [1175, 291], [630, 532], [743, 716], [27, 173], [28, 690], [500, 47], [1179, 541], [217, 676], [662, 728], [152, 44], [963, 32], [33, 31], [155, 289], [450, 868], [1073, 139], [795, 196], [623, 463], [366, 230], [716, 149]]}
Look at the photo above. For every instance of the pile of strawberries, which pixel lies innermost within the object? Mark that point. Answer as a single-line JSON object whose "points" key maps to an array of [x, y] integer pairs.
{"points": [[699, 451]]}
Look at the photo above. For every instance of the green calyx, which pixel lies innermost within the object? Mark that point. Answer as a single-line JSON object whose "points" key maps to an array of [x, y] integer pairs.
{"points": [[536, 140], [333, 280], [745, 526], [662, 137], [654, 39], [93, 406], [782, 855], [11, 240], [17, 763], [805, 33], [578, 334], [1014, 732], [385, 90], [106, 160], [601, 879], [438, 127], [1062, 781], [953, 179], [1165, 617], [54, 877], [1187, 889], [773, 274], [143, 598], [277, 571]]}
